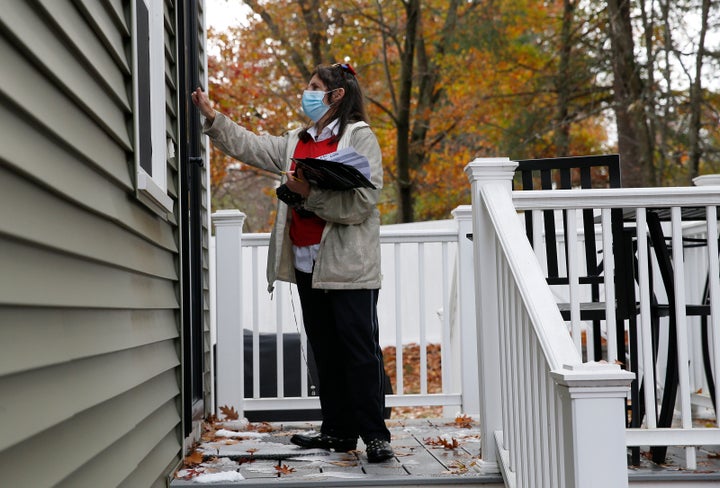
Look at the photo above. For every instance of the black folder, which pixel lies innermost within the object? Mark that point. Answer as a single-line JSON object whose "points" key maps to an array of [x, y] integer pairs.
{"points": [[341, 170]]}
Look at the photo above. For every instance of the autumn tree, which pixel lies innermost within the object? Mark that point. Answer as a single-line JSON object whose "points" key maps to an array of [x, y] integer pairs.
{"points": [[403, 47]]}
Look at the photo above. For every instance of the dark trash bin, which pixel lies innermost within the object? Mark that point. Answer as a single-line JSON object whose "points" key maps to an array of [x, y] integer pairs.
{"points": [[292, 360]]}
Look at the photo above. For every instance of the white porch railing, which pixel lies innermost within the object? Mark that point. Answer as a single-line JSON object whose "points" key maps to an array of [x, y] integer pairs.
{"points": [[686, 430], [530, 330], [547, 418], [426, 299]]}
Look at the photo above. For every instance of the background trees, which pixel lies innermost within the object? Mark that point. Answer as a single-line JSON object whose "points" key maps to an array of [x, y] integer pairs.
{"points": [[450, 80]]}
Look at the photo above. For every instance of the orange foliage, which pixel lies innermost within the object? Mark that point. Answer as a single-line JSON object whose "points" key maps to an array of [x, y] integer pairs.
{"points": [[492, 87]]}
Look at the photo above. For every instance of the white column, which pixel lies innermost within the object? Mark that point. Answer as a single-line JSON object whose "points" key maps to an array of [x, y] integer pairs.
{"points": [[467, 334], [480, 172], [228, 255], [592, 398]]}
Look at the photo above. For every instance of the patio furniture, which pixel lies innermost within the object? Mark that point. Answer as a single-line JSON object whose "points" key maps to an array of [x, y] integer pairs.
{"points": [[599, 171], [663, 254], [602, 171]]}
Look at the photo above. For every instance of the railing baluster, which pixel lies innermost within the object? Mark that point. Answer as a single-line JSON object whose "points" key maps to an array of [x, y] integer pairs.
{"points": [[646, 344], [505, 368], [682, 332], [536, 419], [608, 258], [544, 419], [505, 318], [573, 279], [539, 239], [280, 349], [421, 308], [530, 406], [446, 311], [255, 325], [399, 383], [305, 351], [506, 310], [519, 426]]}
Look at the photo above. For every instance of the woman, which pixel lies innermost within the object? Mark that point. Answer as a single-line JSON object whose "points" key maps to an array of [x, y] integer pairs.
{"points": [[327, 243]]}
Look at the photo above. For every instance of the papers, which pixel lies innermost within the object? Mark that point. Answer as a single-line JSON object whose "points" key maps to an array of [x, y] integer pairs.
{"points": [[339, 170]]}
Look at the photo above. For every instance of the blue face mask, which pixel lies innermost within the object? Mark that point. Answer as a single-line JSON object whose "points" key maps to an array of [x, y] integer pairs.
{"points": [[312, 104]]}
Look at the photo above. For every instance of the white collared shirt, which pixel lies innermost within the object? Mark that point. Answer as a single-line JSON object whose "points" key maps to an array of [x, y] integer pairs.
{"points": [[328, 131]]}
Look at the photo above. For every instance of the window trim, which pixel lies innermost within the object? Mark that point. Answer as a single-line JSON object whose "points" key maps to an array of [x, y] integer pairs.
{"points": [[151, 186]]}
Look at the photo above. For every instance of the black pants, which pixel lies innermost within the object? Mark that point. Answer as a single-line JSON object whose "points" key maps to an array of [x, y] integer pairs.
{"points": [[342, 329]]}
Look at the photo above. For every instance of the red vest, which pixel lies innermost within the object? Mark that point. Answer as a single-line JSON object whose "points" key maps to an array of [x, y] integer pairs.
{"points": [[306, 231]]}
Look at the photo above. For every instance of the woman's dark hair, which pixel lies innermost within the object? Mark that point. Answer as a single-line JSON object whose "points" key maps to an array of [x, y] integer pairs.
{"points": [[351, 108]]}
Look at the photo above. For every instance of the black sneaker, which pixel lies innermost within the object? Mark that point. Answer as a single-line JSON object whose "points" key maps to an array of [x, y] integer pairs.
{"points": [[378, 450], [324, 441]]}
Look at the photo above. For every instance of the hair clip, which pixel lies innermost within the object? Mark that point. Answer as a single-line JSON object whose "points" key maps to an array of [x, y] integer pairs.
{"points": [[345, 67]]}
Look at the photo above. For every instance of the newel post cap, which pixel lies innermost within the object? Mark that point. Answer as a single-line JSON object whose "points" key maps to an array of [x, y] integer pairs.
{"points": [[232, 217], [490, 169]]}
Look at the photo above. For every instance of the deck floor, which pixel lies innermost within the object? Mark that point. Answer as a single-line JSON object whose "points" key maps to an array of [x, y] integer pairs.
{"points": [[429, 452], [434, 452]]}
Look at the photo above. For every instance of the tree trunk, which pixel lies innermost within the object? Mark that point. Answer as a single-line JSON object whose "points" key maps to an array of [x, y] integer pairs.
{"points": [[696, 98], [316, 30], [562, 85], [404, 180], [634, 141]]}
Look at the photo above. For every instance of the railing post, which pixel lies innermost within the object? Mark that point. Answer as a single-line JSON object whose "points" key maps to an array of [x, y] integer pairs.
{"points": [[481, 172], [595, 453], [466, 342], [228, 251]]}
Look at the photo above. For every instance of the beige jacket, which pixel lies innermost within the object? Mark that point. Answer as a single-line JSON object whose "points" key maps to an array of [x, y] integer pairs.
{"points": [[349, 254]]}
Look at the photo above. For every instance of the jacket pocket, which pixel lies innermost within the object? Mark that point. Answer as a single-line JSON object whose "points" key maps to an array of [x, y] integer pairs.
{"points": [[350, 253]]}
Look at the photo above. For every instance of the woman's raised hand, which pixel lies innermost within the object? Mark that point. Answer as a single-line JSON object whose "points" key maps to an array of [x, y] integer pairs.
{"points": [[202, 102]]}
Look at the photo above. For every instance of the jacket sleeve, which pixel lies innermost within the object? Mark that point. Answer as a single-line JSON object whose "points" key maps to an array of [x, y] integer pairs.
{"points": [[354, 206], [261, 151]]}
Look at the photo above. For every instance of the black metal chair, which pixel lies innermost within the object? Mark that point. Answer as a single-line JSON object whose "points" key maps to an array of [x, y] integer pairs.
{"points": [[602, 171], [663, 253]]}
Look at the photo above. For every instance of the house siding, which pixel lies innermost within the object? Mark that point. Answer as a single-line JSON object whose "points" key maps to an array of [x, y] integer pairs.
{"points": [[90, 294]]}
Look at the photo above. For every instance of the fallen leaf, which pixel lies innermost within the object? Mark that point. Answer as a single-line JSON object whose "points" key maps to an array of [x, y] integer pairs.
{"points": [[261, 427], [252, 451], [463, 421], [439, 441], [189, 474], [196, 457], [457, 467], [284, 469], [229, 412]]}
